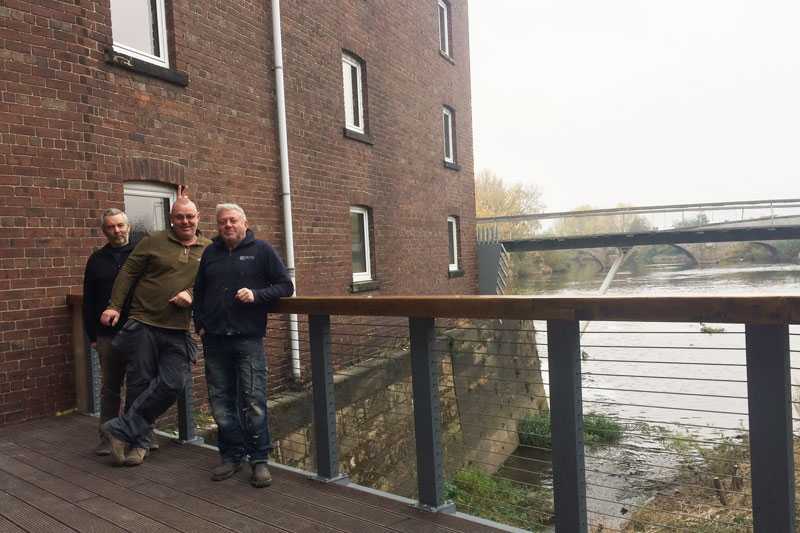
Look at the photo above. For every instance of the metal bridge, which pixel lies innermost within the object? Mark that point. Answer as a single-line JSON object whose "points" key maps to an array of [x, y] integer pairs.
{"points": [[626, 227]]}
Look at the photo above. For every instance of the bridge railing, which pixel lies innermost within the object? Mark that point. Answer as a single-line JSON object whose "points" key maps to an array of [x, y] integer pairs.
{"points": [[643, 218], [499, 403]]}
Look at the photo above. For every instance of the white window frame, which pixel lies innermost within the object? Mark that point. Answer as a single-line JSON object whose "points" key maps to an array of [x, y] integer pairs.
{"points": [[152, 190], [162, 60], [367, 274], [443, 16], [350, 112], [452, 235], [448, 134]]}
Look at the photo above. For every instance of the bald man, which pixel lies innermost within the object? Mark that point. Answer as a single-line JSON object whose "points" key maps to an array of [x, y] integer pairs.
{"points": [[155, 339]]}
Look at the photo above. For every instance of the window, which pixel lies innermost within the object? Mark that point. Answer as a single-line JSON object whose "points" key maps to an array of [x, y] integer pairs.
{"points": [[147, 206], [359, 238], [353, 83], [140, 30], [444, 27], [448, 121], [452, 243]]}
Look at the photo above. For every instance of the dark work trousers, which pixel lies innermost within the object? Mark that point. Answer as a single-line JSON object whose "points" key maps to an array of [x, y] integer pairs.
{"points": [[159, 363], [112, 366], [236, 373]]}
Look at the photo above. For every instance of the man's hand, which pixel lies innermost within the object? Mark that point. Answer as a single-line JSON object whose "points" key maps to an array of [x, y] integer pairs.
{"points": [[182, 299], [109, 317], [245, 296]]}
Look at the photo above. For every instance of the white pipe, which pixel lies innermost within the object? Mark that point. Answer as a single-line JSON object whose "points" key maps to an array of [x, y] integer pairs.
{"points": [[286, 184]]}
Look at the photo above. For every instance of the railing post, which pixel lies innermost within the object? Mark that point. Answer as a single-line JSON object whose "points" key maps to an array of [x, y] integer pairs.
{"points": [[566, 418], [427, 414], [319, 330], [185, 418], [770, 416]]}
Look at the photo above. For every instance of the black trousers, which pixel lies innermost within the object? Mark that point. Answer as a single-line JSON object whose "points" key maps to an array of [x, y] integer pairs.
{"points": [[159, 362]]}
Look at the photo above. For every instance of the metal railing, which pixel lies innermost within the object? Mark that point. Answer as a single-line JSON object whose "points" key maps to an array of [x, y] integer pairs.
{"points": [[711, 215], [500, 369]]}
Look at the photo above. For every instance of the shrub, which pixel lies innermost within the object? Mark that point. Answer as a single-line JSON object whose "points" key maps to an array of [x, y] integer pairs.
{"points": [[535, 430]]}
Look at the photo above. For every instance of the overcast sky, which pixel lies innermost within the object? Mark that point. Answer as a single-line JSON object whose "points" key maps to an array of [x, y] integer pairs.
{"points": [[638, 101]]}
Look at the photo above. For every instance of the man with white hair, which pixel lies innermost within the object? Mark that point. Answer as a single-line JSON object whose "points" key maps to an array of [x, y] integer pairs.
{"points": [[101, 270], [239, 277], [156, 338]]}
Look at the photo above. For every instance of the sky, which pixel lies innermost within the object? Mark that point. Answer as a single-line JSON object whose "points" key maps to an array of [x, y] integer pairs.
{"points": [[638, 102]]}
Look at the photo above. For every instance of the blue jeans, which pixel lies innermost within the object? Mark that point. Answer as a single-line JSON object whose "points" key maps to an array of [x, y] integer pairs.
{"points": [[236, 373]]}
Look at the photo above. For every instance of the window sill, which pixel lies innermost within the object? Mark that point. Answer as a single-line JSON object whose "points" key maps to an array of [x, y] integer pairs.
{"points": [[446, 57], [451, 166], [455, 273], [133, 64], [364, 286], [356, 136]]}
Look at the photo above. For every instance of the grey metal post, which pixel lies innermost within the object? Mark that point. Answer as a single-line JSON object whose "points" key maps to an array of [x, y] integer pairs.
{"points": [[319, 329], [185, 418], [427, 414], [770, 416], [566, 418]]}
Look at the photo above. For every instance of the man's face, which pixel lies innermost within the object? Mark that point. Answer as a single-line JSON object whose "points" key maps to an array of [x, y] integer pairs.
{"points": [[184, 220], [231, 226], [116, 229]]}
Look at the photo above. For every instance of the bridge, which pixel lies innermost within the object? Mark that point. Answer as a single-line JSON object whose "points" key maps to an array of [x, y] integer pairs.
{"points": [[627, 227]]}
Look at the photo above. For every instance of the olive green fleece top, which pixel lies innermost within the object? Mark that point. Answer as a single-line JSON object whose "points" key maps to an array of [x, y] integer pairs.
{"points": [[164, 267]]}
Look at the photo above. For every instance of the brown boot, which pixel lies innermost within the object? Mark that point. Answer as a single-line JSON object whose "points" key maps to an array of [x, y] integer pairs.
{"points": [[261, 477], [103, 447], [135, 457], [118, 447], [225, 470]]}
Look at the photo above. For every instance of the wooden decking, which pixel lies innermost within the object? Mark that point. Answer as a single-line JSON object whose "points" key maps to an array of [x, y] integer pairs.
{"points": [[51, 482]]}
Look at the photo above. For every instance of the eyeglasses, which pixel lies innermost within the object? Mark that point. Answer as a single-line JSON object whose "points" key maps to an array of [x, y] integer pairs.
{"points": [[180, 216]]}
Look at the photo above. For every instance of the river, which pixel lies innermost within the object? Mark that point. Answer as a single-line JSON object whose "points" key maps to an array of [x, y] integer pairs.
{"points": [[687, 378]]}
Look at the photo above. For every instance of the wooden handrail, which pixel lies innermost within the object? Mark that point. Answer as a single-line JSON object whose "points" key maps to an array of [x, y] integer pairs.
{"points": [[772, 309]]}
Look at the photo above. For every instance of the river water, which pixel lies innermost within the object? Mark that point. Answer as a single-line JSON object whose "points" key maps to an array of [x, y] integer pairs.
{"points": [[670, 372], [687, 379]]}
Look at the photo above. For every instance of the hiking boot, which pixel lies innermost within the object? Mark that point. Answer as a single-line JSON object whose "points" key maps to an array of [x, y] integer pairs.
{"points": [[118, 447], [103, 447], [225, 470], [135, 457], [261, 476], [153, 441]]}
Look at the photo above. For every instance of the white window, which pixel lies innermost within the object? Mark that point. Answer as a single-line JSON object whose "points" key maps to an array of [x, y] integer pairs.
{"points": [[147, 206], [444, 27], [139, 28], [359, 238], [352, 74], [447, 121], [452, 242]]}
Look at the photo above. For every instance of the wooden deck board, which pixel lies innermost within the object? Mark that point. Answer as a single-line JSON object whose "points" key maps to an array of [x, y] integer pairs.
{"points": [[49, 464]]}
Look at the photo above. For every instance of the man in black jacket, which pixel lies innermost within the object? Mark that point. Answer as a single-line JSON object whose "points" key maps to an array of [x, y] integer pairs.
{"points": [[239, 276], [101, 271]]}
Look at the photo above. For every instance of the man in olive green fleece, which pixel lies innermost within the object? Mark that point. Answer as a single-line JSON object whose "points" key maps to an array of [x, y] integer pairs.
{"points": [[156, 338]]}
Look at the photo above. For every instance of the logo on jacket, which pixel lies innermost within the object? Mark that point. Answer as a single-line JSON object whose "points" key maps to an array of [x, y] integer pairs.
{"points": [[246, 257]]}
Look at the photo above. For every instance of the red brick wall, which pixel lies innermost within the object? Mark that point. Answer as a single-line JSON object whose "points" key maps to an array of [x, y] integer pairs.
{"points": [[74, 128]]}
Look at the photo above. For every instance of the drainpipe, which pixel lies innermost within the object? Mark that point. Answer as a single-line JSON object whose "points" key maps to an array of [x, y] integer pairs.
{"points": [[286, 188]]}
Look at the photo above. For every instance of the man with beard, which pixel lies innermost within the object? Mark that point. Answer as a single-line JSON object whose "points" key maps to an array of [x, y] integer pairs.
{"points": [[156, 337], [98, 279]]}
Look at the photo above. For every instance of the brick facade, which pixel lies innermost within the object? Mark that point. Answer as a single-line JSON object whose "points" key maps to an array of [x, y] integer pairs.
{"points": [[74, 128]]}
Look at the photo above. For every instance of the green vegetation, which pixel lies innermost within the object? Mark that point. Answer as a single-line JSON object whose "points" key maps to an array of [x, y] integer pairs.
{"points": [[535, 430], [501, 500]]}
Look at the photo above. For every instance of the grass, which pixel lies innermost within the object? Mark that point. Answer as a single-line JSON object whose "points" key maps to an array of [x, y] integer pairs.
{"points": [[517, 504], [535, 430]]}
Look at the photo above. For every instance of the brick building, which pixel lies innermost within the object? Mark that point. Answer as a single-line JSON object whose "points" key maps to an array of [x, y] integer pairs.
{"points": [[115, 103]]}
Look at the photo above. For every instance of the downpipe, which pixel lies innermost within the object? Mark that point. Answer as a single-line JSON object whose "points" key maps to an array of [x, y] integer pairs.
{"points": [[286, 186]]}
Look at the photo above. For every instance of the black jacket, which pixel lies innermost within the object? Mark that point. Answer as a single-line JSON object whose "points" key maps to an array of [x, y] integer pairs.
{"points": [[98, 279], [254, 265]]}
